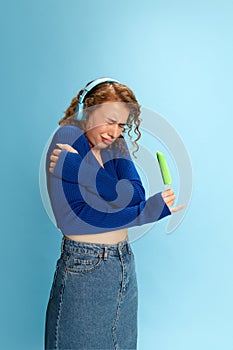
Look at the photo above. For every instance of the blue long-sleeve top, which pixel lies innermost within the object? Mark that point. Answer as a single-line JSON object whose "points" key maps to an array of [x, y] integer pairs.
{"points": [[87, 198]]}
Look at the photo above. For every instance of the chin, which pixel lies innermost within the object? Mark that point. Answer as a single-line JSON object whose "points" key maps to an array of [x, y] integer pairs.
{"points": [[101, 145]]}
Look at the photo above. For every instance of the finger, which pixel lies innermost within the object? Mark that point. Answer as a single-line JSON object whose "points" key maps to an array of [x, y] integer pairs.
{"points": [[53, 158], [67, 147], [56, 152], [169, 199], [180, 207], [61, 145], [64, 146], [52, 164], [167, 193], [170, 203]]}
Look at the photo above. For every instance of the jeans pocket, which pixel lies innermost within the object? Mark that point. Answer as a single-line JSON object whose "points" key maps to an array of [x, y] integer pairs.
{"points": [[84, 262]]}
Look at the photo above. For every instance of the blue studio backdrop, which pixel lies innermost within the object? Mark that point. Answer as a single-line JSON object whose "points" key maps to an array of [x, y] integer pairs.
{"points": [[177, 57]]}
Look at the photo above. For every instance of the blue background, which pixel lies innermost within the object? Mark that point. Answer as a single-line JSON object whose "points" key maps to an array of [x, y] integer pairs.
{"points": [[177, 56]]}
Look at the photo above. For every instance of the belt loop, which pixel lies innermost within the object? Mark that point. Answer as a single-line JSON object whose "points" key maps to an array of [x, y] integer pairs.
{"points": [[105, 253], [62, 243]]}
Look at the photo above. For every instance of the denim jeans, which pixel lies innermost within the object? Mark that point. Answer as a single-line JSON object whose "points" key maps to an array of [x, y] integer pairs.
{"points": [[93, 301]]}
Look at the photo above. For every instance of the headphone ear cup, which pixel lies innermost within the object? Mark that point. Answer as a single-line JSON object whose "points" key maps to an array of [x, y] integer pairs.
{"points": [[79, 112]]}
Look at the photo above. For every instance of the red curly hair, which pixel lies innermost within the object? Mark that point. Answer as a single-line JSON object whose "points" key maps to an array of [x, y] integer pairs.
{"points": [[107, 92]]}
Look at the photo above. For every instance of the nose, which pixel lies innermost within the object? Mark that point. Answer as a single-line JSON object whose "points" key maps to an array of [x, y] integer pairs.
{"points": [[115, 130]]}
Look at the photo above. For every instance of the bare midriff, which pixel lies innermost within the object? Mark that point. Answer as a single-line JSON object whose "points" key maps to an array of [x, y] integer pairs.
{"points": [[111, 237]]}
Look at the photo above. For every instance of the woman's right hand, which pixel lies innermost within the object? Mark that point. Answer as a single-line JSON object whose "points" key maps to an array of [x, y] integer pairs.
{"points": [[169, 198], [56, 153]]}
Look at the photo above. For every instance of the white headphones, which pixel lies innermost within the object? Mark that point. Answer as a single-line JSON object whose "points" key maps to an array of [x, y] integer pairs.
{"points": [[79, 113]]}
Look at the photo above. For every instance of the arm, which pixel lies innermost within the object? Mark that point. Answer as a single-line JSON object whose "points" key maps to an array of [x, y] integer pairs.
{"points": [[139, 211], [97, 215], [127, 183]]}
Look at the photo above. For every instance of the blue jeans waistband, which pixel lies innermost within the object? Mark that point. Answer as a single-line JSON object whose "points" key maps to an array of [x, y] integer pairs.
{"points": [[71, 246]]}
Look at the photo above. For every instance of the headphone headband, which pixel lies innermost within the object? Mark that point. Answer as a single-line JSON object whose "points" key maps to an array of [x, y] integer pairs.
{"points": [[79, 115]]}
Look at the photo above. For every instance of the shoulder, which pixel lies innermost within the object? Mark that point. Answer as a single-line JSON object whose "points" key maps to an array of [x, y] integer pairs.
{"points": [[67, 134], [68, 129]]}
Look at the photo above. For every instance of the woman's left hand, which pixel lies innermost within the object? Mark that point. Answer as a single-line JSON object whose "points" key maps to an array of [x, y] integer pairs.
{"points": [[169, 198], [56, 153]]}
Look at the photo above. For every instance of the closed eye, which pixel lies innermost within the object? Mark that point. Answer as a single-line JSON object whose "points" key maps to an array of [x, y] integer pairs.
{"points": [[111, 122], [122, 125]]}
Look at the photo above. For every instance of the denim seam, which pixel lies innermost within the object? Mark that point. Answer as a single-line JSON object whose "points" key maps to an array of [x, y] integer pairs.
{"points": [[54, 281], [114, 327], [118, 306], [113, 254], [59, 311]]}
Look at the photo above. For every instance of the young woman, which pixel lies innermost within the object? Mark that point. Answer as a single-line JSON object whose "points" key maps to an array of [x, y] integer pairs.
{"points": [[96, 195]]}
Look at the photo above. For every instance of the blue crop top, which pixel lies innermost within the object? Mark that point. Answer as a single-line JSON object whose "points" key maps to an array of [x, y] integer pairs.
{"points": [[87, 198]]}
